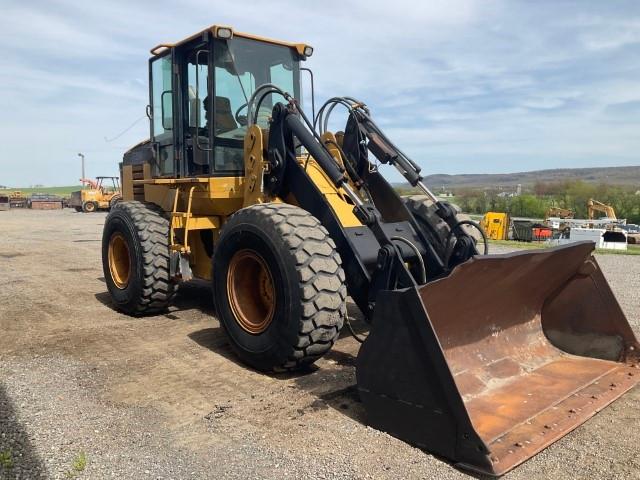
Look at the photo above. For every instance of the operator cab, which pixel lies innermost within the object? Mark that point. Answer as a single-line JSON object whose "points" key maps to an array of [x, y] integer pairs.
{"points": [[109, 187], [199, 91]]}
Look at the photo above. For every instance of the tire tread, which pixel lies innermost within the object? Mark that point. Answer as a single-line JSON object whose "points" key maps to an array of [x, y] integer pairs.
{"points": [[320, 277], [152, 230]]}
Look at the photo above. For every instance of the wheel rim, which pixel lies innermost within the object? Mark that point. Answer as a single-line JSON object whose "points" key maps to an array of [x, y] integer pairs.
{"points": [[250, 291], [119, 262], [89, 207]]}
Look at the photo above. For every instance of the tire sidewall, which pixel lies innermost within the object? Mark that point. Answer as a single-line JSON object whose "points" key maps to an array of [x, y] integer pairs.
{"points": [[272, 347], [114, 201], [119, 221]]}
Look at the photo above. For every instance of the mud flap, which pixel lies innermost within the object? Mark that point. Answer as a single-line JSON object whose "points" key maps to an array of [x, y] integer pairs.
{"points": [[495, 362]]}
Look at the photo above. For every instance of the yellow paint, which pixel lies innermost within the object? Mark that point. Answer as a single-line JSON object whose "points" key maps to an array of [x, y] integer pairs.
{"points": [[336, 198], [217, 196], [126, 181], [254, 166], [199, 261], [329, 140], [197, 223], [496, 225]]}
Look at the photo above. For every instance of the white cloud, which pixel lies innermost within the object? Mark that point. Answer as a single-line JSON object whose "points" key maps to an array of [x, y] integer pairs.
{"points": [[462, 85]]}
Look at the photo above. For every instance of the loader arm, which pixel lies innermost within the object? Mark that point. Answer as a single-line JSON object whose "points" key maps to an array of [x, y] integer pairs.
{"points": [[492, 358], [373, 257]]}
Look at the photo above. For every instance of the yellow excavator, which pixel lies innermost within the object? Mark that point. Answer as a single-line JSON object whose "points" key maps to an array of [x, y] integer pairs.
{"points": [[594, 206], [484, 360]]}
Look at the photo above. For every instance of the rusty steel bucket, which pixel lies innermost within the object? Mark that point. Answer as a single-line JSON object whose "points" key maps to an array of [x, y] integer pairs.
{"points": [[493, 363]]}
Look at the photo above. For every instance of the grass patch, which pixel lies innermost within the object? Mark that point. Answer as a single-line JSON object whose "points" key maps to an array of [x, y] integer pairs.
{"points": [[62, 191], [628, 251], [516, 244], [6, 459], [78, 465], [631, 249]]}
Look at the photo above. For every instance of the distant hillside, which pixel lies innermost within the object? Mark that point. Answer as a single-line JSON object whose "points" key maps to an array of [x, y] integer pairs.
{"points": [[62, 191], [609, 175]]}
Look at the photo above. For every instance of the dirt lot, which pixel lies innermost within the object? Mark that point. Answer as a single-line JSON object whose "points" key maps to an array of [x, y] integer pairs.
{"points": [[86, 392]]}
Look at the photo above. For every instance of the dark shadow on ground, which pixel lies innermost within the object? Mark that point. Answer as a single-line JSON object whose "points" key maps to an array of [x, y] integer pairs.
{"points": [[11, 254], [18, 458], [195, 294], [105, 299], [215, 339], [332, 388]]}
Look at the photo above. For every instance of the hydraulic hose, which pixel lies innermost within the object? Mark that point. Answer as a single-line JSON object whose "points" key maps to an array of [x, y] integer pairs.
{"points": [[358, 338], [474, 225], [316, 149], [423, 268]]}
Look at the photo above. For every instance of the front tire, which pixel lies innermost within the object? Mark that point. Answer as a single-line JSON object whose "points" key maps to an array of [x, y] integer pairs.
{"points": [[117, 198], [278, 286], [89, 207], [135, 258]]}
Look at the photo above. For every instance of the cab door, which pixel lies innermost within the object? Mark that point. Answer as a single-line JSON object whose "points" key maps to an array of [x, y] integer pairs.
{"points": [[162, 115], [194, 130]]}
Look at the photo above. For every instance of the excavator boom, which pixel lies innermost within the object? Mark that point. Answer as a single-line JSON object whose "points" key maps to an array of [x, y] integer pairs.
{"points": [[596, 206]]}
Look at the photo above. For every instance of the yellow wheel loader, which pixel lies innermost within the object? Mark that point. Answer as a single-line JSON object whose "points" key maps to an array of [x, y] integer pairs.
{"points": [[484, 360]]}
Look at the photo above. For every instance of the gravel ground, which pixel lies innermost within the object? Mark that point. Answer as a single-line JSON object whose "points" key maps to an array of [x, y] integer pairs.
{"points": [[86, 392]]}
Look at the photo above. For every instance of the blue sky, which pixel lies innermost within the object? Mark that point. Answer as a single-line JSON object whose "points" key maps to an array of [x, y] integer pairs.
{"points": [[462, 86]]}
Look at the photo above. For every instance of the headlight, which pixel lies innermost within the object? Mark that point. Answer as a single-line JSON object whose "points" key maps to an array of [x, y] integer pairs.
{"points": [[224, 32], [308, 51]]}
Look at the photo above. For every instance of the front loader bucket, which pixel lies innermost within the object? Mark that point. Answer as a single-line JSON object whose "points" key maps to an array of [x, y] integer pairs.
{"points": [[493, 363]]}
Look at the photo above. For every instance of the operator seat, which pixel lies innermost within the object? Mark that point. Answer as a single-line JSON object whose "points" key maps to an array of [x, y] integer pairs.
{"points": [[224, 121]]}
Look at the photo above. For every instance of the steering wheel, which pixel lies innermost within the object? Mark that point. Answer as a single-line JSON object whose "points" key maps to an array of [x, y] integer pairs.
{"points": [[241, 119]]}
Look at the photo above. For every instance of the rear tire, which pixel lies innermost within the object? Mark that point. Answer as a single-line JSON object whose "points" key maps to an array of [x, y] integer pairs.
{"points": [[135, 258], [89, 207], [436, 229], [117, 198], [279, 287], [432, 226]]}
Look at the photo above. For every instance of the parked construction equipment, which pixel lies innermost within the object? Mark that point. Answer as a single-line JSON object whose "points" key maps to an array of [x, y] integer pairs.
{"points": [[594, 206], [496, 225], [17, 200], [557, 212], [98, 196], [45, 201], [484, 360]]}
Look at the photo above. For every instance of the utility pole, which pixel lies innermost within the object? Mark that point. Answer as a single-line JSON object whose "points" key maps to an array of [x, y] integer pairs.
{"points": [[81, 155]]}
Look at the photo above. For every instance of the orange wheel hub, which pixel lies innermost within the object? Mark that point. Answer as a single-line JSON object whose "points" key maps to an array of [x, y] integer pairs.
{"points": [[250, 291], [119, 262]]}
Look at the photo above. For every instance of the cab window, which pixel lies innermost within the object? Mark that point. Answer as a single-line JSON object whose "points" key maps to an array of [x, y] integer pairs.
{"points": [[241, 65], [196, 122]]}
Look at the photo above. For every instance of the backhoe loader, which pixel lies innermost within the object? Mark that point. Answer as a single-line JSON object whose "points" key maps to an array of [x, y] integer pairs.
{"points": [[484, 360]]}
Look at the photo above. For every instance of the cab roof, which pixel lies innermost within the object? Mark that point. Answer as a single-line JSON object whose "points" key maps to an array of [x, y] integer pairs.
{"points": [[215, 29]]}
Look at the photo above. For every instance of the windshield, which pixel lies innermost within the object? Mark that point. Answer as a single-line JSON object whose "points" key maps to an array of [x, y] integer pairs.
{"points": [[242, 65]]}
